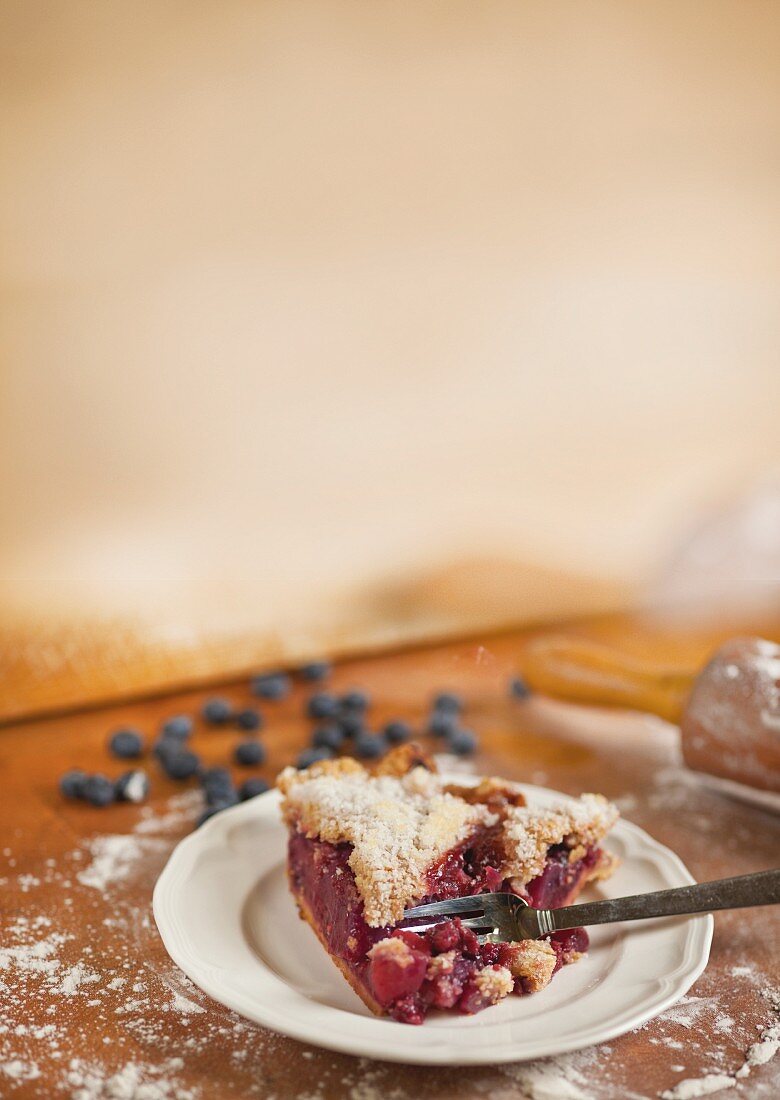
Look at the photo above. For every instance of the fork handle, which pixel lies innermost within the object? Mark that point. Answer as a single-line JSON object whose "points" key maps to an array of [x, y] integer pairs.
{"points": [[761, 888]]}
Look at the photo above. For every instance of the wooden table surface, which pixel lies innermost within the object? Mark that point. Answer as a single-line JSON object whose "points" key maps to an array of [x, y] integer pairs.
{"points": [[91, 1005]]}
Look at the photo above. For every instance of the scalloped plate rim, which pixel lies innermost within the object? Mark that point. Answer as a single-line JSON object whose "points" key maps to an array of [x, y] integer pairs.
{"points": [[336, 1029]]}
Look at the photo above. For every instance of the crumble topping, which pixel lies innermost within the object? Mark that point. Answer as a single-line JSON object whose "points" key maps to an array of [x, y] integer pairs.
{"points": [[393, 949], [528, 832], [400, 823], [532, 960], [440, 964], [494, 982]]}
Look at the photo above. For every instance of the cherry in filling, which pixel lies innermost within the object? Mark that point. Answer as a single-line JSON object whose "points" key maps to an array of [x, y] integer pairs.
{"points": [[464, 975]]}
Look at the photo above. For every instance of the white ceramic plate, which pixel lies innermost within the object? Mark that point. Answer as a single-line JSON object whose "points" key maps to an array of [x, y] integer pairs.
{"points": [[227, 919]]}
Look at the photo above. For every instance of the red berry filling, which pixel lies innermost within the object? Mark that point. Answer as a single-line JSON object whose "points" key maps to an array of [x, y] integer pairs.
{"points": [[439, 968], [398, 967], [560, 880]]}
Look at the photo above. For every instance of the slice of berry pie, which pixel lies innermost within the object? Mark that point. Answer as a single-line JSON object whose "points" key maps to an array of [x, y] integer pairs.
{"points": [[363, 848]]}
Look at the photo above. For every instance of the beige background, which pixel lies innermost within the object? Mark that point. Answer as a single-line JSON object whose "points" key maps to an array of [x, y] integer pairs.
{"points": [[303, 301]]}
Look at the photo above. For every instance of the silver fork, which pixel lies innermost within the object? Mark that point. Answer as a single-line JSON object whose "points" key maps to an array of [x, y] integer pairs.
{"points": [[505, 917]]}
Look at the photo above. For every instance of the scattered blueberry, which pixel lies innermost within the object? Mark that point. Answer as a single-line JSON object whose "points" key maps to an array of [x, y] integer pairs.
{"points": [[249, 719], [518, 688], [312, 756], [177, 728], [462, 742], [397, 732], [127, 744], [316, 671], [165, 747], [98, 790], [328, 737], [351, 724], [72, 783], [355, 702], [442, 724], [216, 781], [133, 786], [250, 788], [369, 746], [181, 764], [222, 798], [271, 685], [217, 711], [322, 705], [447, 703], [249, 752]]}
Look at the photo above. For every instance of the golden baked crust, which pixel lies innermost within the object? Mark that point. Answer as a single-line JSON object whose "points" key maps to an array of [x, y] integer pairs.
{"points": [[533, 961], [359, 987], [529, 832], [494, 983]]}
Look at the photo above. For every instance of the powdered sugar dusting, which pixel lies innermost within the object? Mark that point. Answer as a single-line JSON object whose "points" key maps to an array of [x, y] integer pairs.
{"points": [[397, 827]]}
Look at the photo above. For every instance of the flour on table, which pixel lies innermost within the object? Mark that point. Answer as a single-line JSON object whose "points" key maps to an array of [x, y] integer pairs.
{"points": [[75, 977], [115, 857], [112, 860], [699, 1086], [759, 1054], [563, 1078], [133, 1082], [18, 1070]]}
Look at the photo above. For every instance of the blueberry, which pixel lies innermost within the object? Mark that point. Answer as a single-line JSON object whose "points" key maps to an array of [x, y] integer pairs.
{"points": [[250, 788], [355, 702], [327, 737], [227, 797], [518, 688], [369, 746], [312, 756], [177, 728], [249, 752], [98, 790], [316, 671], [217, 711], [165, 747], [462, 742], [447, 703], [216, 780], [397, 732], [351, 724], [249, 719], [127, 744], [271, 685], [322, 705], [181, 764], [133, 786], [210, 811], [442, 724], [72, 783]]}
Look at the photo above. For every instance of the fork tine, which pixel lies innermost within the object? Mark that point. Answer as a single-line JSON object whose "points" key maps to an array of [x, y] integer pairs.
{"points": [[423, 926], [473, 904], [480, 925]]}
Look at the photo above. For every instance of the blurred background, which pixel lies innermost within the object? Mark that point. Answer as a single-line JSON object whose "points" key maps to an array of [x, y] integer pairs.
{"points": [[326, 326]]}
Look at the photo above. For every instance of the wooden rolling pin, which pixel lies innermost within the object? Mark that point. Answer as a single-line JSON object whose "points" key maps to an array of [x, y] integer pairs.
{"points": [[728, 713]]}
